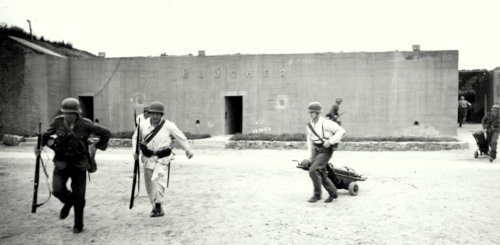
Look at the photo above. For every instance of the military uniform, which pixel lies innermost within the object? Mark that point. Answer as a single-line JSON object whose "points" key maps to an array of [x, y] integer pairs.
{"points": [[334, 111], [463, 107], [319, 155], [71, 161], [491, 123], [156, 154]]}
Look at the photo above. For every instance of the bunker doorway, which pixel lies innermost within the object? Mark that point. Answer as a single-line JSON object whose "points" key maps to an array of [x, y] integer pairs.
{"points": [[233, 114], [87, 105]]}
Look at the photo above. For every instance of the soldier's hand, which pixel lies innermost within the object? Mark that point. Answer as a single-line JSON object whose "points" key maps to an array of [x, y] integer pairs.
{"points": [[135, 156], [326, 144], [189, 154]]}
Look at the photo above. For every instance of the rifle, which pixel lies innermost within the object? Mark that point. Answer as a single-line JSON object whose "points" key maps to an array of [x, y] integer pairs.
{"points": [[39, 161], [34, 205], [137, 171]]}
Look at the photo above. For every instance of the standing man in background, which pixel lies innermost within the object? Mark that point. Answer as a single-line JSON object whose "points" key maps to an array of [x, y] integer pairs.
{"points": [[334, 111], [463, 106], [155, 144], [143, 116]]}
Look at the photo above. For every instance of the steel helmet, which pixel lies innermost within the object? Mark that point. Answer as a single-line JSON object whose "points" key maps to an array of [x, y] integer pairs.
{"points": [[314, 107], [495, 108], [338, 100], [70, 105], [146, 109], [156, 106]]}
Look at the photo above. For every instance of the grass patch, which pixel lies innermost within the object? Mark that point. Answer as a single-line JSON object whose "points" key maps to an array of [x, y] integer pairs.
{"points": [[302, 137]]}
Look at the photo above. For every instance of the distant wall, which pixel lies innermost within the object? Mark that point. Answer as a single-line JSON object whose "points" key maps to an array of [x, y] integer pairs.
{"points": [[33, 86], [495, 87], [384, 93]]}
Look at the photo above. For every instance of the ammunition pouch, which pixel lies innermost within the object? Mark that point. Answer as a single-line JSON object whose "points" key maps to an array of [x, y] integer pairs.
{"points": [[164, 153], [149, 153], [145, 151]]}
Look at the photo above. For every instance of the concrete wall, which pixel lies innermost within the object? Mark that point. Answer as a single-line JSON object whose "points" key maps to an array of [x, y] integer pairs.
{"points": [[384, 93], [36, 90], [495, 87]]}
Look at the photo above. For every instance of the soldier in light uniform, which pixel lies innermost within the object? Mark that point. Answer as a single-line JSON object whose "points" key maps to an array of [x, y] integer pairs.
{"points": [[463, 107], [70, 159], [143, 116], [491, 124], [323, 137], [155, 145]]}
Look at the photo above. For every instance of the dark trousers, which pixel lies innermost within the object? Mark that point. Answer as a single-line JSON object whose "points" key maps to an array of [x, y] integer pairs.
{"points": [[76, 196], [492, 141], [317, 171], [462, 116]]}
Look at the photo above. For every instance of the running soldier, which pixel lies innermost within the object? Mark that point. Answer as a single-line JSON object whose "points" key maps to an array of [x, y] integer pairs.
{"points": [[71, 159], [155, 145]]}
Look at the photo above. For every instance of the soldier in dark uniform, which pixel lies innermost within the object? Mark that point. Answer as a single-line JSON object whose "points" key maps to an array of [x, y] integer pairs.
{"points": [[71, 158], [491, 123], [334, 111]]}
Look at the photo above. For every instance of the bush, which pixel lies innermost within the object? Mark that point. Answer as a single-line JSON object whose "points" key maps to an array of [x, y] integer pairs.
{"points": [[302, 137], [270, 137], [191, 136], [123, 135]]}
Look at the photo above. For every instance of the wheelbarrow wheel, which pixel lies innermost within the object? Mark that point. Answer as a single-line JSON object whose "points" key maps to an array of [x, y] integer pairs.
{"points": [[476, 154], [353, 188]]}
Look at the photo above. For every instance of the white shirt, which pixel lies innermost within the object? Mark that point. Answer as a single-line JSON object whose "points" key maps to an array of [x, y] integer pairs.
{"points": [[140, 118], [327, 129], [160, 141]]}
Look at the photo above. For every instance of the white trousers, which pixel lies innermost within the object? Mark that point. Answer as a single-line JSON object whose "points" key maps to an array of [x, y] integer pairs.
{"points": [[156, 180]]}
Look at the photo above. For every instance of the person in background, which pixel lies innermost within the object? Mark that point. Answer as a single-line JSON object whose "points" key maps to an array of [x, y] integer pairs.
{"points": [[334, 111], [463, 107], [143, 116]]}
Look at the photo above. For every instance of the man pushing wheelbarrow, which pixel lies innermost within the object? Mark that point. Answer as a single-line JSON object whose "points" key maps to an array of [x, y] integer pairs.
{"points": [[491, 124]]}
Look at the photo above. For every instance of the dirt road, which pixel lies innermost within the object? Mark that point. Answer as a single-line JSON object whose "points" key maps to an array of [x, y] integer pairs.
{"points": [[259, 197]]}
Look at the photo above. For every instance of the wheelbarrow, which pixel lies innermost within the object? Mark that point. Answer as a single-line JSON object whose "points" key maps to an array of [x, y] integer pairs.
{"points": [[342, 177]]}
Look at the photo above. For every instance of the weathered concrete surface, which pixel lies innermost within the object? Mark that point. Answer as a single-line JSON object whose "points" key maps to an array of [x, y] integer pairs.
{"points": [[384, 93]]}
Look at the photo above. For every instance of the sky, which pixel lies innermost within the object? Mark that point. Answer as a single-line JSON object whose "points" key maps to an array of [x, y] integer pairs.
{"points": [[128, 28]]}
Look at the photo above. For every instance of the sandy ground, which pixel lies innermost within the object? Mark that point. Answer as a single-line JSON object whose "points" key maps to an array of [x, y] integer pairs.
{"points": [[259, 197]]}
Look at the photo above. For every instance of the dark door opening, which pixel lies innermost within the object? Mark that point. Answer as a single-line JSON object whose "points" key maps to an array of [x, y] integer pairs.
{"points": [[87, 105], [234, 114]]}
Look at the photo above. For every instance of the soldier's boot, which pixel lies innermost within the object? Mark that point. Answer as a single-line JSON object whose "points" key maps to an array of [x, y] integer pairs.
{"points": [[158, 210], [65, 210], [331, 197], [78, 226], [314, 198]]}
